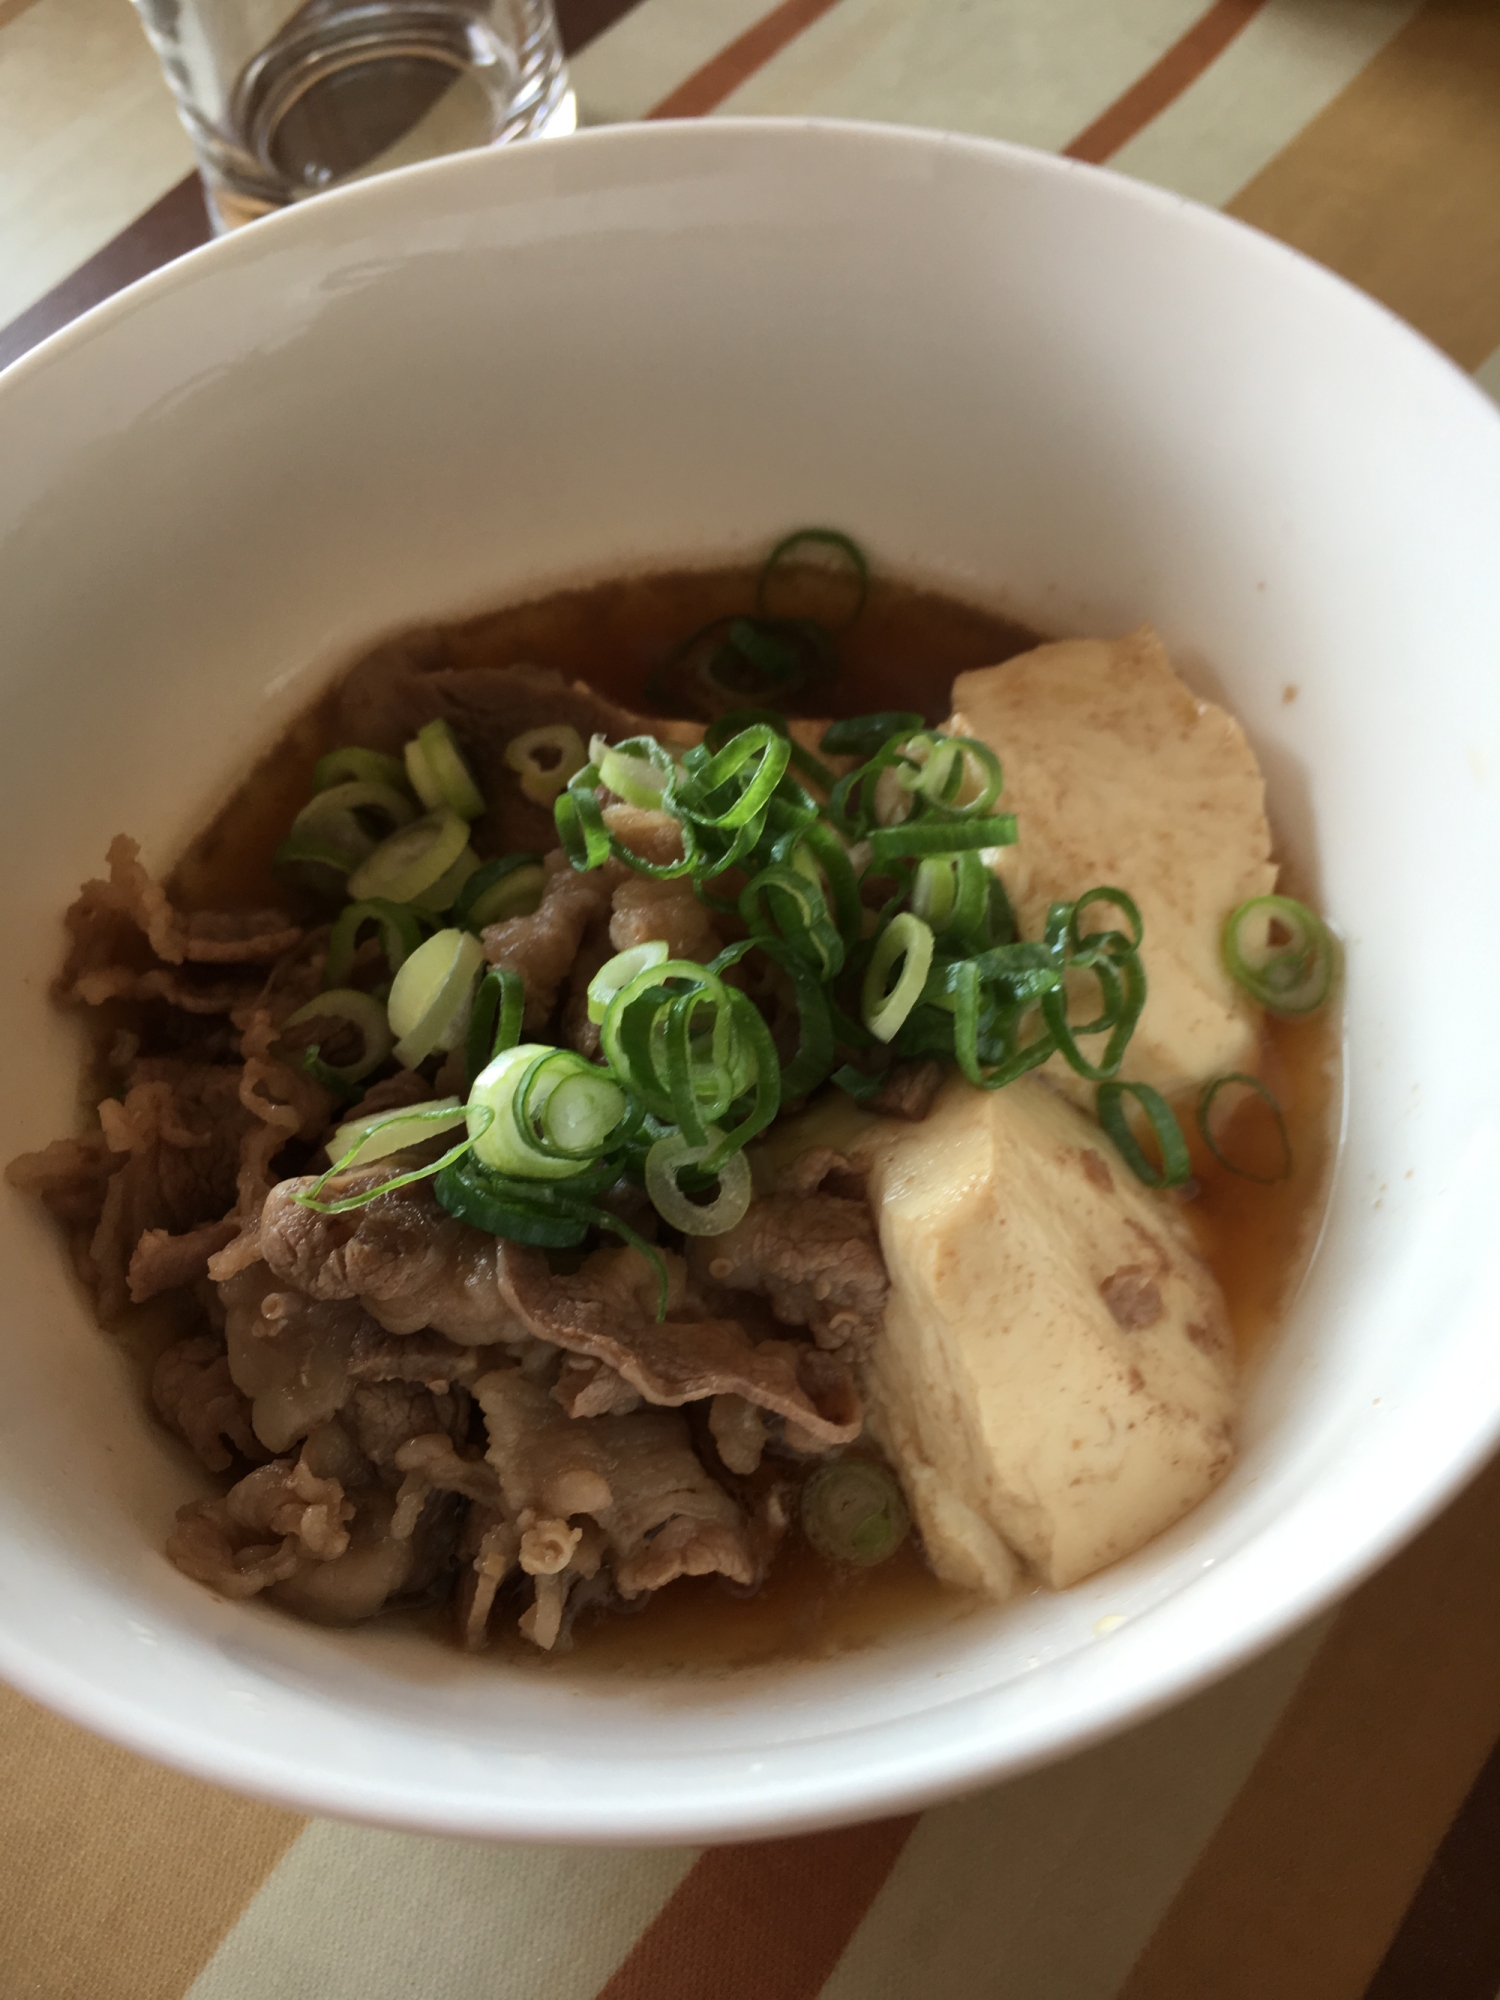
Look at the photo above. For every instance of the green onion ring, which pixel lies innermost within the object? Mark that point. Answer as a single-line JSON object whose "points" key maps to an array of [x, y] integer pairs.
{"points": [[579, 819], [438, 1116], [1176, 1163], [412, 859], [364, 1012], [1102, 940], [1205, 1107], [904, 937], [541, 782], [401, 931], [1291, 978], [367, 767], [853, 1512], [667, 1159], [378, 1134], [494, 1020], [863, 735], [439, 773], [917, 837], [826, 538], [497, 890]]}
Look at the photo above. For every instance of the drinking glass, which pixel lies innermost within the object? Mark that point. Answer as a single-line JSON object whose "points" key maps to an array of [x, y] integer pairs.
{"points": [[283, 101]]}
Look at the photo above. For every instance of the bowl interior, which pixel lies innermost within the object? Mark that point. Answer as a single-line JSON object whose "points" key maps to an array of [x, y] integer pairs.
{"points": [[1016, 378]]}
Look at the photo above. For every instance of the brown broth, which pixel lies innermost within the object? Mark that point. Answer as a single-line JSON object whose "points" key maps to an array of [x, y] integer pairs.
{"points": [[903, 653]]}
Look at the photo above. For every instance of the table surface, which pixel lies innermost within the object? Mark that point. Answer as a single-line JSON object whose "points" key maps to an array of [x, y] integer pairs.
{"points": [[1322, 1826]]}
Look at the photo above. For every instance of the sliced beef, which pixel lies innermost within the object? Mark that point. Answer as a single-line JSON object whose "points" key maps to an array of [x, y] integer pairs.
{"points": [[69, 1175], [412, 681], [645, 908], [542, 948], [606, 1311], [430, 1358], [195, 1395], [267, 1528], [285, 1103], [383, 1417], [636, 1479], [652, 836], [908, 1091], [173, 1145], [291, 1355], [815, 1256], [124, 934], [408, 1262]]}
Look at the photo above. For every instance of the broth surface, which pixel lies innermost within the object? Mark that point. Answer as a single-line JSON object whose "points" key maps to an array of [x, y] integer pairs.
{"points": [[902, 653]]}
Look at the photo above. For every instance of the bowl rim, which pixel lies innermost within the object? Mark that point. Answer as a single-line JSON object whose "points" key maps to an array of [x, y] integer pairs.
{"points": [[898, 1769]]}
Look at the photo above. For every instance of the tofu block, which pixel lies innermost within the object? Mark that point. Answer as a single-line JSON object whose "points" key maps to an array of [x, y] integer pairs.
{"points": [[1118, 773], [1055, 1375]]}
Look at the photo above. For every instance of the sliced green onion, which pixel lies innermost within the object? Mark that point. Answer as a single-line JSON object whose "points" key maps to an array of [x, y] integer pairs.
{"points": [[340, 814], [790, 900], [446, 890], [1122, 988], [432, 994], [669, 1157], [934, 890], [821, 539], [546, 760], [439, 772], [1116, 942], [579, 818], [378, 1134], [413, 859], [509, 887], [639, 771], [853, 1512], [548, 1111], [494, 1020], [815, 1043], [759, 747], [436, 1116], [1289, 975], [957, 773], [1268, 1097], [907, 939], [616, 974], [320, 867], [917, 837], [363, 1012], [363, 766], [399, 930], [862, 735], [554, 1215], [1176, 1163]]}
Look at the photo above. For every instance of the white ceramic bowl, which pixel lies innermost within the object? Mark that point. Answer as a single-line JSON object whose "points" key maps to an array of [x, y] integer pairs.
{"points": [[1001, 371]]}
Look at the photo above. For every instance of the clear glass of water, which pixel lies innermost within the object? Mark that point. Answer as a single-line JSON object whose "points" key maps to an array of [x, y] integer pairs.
{"points": [[284, 101]]}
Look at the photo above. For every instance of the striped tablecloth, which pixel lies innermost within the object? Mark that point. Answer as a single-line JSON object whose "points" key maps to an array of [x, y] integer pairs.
{"points": [[1323, 1826]]}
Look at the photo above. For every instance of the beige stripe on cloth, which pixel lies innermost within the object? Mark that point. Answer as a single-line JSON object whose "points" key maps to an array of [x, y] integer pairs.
{"points": [[1304, 1885], [119, 1878]]}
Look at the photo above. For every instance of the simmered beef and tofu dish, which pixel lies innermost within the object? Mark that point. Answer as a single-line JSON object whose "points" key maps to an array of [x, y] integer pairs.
{"points": [[567, 1135]]}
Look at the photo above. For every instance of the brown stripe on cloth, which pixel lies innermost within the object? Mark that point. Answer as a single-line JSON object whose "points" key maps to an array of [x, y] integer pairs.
{"points": [[179, 221], [708, 87], [1396, 183], [1301, 1890], [1448, 1948], [1189, 56], [120, 1879], [764, 1921]]}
